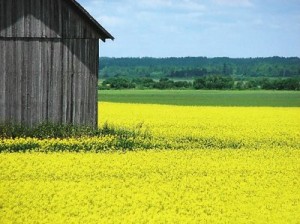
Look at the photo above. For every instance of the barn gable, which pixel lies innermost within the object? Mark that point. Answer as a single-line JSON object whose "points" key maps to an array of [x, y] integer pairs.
{"points": [[48, 19]]}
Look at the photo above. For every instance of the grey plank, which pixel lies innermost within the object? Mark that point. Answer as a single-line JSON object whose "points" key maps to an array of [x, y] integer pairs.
{"points": [[2, 81]]}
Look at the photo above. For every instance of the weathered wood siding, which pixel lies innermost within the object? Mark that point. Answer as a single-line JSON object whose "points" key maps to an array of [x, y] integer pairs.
{"points": [[43, 18], [48, 63], [49, 80]]}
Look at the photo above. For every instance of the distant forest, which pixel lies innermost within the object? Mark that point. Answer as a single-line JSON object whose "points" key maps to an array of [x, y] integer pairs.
{"points": [[200, 73], [193, 67]]}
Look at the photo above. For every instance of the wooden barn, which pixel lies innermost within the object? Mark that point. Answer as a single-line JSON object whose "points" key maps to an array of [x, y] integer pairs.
{"points": [[49, 52]]}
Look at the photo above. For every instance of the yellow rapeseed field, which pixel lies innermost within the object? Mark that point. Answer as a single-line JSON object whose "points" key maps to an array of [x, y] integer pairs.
{"points": [[180, 186], [202, 165], [205, 127]]}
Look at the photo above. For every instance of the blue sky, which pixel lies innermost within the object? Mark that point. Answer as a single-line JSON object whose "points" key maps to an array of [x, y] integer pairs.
{"points": [[211, 28]]}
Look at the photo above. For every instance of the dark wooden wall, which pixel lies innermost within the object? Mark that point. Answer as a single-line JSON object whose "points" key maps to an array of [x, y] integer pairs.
{"points": [[49, 80], [48, 63], [43, 18]]}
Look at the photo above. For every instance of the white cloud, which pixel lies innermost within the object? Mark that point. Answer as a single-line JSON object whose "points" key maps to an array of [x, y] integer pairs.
{"points": [[110, 20], [154, 3], [192, 5], [188, 5], [234, 3]]}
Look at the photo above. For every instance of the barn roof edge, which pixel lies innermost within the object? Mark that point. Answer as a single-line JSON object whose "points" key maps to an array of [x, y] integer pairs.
{"points": [[104, 34]]}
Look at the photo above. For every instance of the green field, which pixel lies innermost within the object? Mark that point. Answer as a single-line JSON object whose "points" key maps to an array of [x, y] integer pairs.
{"points": [[203, 97]]}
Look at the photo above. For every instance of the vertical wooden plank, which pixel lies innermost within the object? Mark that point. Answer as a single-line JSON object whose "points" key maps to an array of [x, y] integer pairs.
{"points": [[44, 16], [29, 86], [17, 18], [86, 98], [47, 68], [24, 99], [37, 22], [41, 90], [82, 98], [82, 79], [42, 81], [92, 68], [2, 18], [60, 77], [2, 80], [8, 29], [66, 83], [10, 84], [45, 74], [37, 81], [47, 18], [71, 99], [74, 87], [59, 18], [48, 64], [75, 92], [89, 100], [14, 79], [89, 90], [53, 90], [36, 76], [40, 78], [26, 8], [96, 60], [54, 19], [56, 77], [14, 23], [62, 84], [7, 81], [18, 74], [28, 54], [80, 65], [77, 83], [68, 100], [87, 69], [92, 104], [76, 66], [33, 85]]}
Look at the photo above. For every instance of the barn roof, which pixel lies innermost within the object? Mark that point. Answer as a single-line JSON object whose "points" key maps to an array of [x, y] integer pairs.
{"points": [[104, 34]]}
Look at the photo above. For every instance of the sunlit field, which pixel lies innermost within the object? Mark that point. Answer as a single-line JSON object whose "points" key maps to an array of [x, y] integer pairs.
{"points": [[181, 186], [178, 164], [184, 127]]}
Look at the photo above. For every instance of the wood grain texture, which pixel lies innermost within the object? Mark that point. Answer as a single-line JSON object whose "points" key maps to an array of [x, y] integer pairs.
{"points": [[44, 18], [49, 63], [49, 80]]}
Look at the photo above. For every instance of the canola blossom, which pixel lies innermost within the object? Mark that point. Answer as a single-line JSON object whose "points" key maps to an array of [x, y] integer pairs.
{"points": [[142, 127], [208, 127], [164, 186], [189, 165], [82, 144]]}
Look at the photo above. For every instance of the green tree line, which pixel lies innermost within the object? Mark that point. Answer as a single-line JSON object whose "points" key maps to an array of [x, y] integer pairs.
{"points": [[196, 67], [206, 82]]}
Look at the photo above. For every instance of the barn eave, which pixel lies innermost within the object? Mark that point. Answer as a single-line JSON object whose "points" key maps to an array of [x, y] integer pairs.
{"points": [[103, 33]]}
